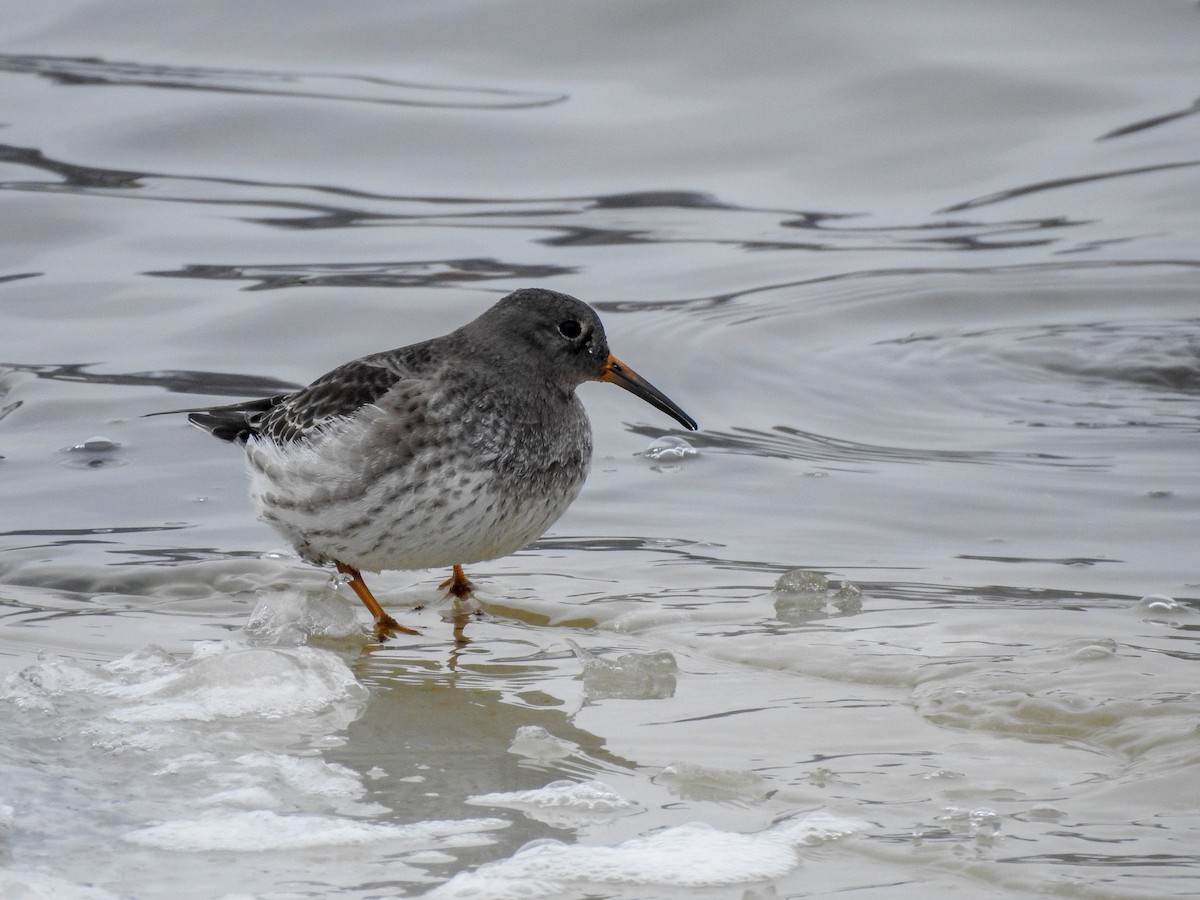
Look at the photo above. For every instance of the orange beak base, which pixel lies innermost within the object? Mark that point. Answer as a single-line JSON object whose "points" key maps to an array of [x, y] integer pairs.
{"points": [[616, 372]]}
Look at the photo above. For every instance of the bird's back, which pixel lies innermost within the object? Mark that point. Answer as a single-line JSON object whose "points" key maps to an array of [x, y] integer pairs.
{"points": [[337, 394]]}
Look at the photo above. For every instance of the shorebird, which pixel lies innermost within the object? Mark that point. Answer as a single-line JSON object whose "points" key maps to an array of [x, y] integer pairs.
{"points": [[446, 452]]}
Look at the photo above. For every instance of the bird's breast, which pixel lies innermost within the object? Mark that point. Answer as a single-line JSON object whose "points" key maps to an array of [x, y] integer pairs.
{"points": [[382, 490]]}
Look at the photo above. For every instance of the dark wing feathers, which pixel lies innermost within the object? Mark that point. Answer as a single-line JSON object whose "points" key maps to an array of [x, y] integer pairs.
{"points": [[292, 417], [339, 393]]}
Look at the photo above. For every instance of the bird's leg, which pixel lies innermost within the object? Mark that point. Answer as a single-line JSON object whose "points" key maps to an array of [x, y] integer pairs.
{"points": [[458, 584], [460, 621], [459, 587], [385, 623]]}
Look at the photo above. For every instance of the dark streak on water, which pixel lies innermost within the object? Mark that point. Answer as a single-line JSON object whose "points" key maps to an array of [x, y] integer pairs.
{"points": [[998, 450]]}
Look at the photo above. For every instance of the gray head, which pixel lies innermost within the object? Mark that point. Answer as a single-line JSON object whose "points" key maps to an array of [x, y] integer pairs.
{"points": [[565, 337]]}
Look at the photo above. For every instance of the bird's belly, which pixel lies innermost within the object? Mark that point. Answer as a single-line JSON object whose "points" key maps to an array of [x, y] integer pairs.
{"points": [[435, 510]]}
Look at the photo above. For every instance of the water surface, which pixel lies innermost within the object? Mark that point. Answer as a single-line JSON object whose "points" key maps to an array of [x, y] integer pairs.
{"points": [[925, 275]]}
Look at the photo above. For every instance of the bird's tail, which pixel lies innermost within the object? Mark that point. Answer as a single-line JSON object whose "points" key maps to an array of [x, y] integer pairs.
{"points": [[236, 422]]}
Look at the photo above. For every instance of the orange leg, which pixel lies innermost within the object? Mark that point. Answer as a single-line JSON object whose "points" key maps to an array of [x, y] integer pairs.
{"points": [[458, 584], [385, 623]]}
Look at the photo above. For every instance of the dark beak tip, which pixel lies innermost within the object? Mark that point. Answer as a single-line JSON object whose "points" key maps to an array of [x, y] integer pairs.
{"points": [[677, 414], [616, 372]]}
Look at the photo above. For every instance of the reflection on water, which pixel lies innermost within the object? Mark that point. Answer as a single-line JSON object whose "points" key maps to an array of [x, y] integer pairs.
{"points": [[1152, 122], [416, 273], [91, 72], [588, 221], [783, 442], [914, 616], [1067, 182], [221, 383]]}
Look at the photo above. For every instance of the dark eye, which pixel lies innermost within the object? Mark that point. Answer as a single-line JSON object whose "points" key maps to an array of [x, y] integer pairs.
{"points": [[570, 329]]}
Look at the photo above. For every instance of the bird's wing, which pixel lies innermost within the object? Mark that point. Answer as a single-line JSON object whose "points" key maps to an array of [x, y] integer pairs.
{"points": [[298, 415], [335, 395]]}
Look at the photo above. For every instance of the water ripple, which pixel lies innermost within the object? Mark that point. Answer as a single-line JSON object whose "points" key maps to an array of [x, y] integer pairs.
{"points": [[1100, 374], [784, 442], [409, 273], [1068, 181], [1152, 122], [95, 71], [728, 304], [176, 381], [627, 218]]}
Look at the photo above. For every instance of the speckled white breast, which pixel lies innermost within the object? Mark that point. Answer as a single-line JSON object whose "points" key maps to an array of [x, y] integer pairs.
{"points": [[351, 495]]}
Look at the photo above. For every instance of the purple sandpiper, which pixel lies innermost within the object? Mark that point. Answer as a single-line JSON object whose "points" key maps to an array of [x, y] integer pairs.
{"points": [[447, 452]]}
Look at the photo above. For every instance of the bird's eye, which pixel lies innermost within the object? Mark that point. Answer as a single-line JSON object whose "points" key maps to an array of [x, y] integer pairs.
{"points": [[570, 329]]}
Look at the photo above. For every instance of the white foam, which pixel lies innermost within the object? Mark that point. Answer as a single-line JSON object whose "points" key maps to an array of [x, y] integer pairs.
{"points": [[248, 797], [631, 676], [226, 680], [262, 780], [562, 803], [18, 884], [259, 830], [694, 856], [308, 774], [693, 782], [221, 680], [536, 743], [290, 617], [203, 721], [38, 686]]}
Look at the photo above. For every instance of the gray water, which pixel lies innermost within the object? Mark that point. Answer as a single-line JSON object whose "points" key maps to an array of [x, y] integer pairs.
{"points": [[918, 617]]}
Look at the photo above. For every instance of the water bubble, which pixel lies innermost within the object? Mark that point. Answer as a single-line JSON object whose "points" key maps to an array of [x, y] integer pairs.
{"points": [[982, 824], [1101, 649], [289, 617], [801, 581], [564, 804], [536, 743], [693, 782], [941, 774], [631, 676], [1159, 603], [802, 596], [94, 453], [670, 452], [848, 599], [823, 777], [95, 445], [670, 448], [1044, 814]]}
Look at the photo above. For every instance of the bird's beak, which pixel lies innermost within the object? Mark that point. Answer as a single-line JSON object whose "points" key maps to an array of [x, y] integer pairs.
{"points": [[616, 372]]}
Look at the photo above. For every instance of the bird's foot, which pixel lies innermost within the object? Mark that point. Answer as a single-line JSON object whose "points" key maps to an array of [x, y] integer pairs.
{"points": [[458, 585], [386, 627]]}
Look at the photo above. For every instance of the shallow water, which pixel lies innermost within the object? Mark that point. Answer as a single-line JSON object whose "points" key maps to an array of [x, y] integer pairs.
{"points": [[919, 617]]}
